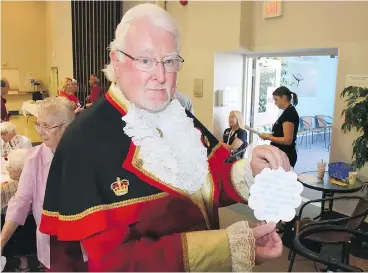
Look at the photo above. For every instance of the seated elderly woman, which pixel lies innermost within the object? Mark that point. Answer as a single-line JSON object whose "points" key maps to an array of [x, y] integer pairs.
{"points": [[54, 116], [10, 140], [67, 89], [23, 242], [235, 137]]}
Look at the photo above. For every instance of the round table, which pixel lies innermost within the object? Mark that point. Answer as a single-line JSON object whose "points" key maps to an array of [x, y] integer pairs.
{"points": [[328, 189]]}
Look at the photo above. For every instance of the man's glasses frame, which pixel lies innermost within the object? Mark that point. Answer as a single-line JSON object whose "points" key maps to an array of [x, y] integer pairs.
{"points": [[139, 63]]}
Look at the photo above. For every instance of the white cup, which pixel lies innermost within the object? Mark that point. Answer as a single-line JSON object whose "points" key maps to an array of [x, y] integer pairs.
{"points": [[321, 167], [352, 177]]}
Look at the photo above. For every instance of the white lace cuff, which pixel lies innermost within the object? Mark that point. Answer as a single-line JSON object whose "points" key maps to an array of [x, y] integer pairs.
{"points": [[242, 247]]}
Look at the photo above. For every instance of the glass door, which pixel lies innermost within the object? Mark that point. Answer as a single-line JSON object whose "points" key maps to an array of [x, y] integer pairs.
{"points": [[266, 78]]}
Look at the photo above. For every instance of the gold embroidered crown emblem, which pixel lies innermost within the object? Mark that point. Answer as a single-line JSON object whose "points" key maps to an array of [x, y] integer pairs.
{"points": [[120, 186]]}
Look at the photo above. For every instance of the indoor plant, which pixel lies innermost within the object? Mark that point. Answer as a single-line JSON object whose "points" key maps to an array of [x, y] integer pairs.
{"points": [[356, 116]]}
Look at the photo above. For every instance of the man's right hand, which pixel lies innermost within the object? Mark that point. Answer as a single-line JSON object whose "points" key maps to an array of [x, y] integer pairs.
{"points": [[268, 243]]}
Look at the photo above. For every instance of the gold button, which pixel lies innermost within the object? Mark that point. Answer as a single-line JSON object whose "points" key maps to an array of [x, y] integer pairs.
{"points": [[140, 163]]}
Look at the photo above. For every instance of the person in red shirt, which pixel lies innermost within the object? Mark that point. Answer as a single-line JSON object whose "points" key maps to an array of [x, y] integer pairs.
{"points": [[4, 92], [96, 91], [67, 90]]}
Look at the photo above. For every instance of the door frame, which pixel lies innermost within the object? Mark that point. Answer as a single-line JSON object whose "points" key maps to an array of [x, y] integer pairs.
{"points": [[250, 75]]}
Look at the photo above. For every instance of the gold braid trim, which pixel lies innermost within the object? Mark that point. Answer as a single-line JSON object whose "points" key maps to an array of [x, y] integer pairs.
{"points": [[94, 209], [214, 150], [138, 163], [184, 243], [118, 98]]}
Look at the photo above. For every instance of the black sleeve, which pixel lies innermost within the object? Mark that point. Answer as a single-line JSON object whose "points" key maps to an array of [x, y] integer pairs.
{"points": [[224, 137], [291, 116], [242, 134], [72, 176]]}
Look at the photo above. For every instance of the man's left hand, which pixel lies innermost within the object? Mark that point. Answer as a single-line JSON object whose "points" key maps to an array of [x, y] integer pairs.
{"points": [[268, 156]]}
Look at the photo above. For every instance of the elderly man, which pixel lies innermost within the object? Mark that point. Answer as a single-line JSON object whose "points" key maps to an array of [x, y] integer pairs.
{"points": [[96, 91], [10, 140], [145, 197], [75, 86]]}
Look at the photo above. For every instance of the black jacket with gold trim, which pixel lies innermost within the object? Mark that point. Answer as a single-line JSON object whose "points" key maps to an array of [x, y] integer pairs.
{"points": [[126, 219]]}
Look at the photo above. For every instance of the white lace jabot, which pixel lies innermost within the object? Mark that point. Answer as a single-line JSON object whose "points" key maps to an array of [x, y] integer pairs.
{"points": [[170, 146]]}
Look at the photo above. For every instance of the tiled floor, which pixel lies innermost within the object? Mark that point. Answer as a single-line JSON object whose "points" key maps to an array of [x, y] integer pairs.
{"points": [[310, 155]]}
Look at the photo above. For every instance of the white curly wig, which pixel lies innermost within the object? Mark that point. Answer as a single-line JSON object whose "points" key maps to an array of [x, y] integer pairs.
{"points": [[155, 15]]}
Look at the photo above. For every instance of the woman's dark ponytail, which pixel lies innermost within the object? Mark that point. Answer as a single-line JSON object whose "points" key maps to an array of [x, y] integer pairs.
{"points": [[284, 91], [295, 98]]}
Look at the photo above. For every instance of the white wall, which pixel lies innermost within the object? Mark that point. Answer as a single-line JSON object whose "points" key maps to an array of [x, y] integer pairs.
{"points": [[322, 102], [204, 33], [23, 42], [228, 74], [59, 40]]}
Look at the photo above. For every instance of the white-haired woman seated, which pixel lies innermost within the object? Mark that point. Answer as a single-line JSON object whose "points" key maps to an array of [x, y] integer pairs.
{"points": [[23, 242], [54, 116], [10, 140]]}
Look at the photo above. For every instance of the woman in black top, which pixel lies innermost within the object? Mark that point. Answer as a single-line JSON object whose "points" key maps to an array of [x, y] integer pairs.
{"points": [[285, 129], [235, 137]]}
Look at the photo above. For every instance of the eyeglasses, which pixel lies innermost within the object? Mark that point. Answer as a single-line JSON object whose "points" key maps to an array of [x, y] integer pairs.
{"points": [[146, 64], [38, 127]]}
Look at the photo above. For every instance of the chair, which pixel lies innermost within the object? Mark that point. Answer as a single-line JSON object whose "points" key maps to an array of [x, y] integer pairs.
{"points": [[267, 128], [303, 131], [352, 222], [308, 125], [332, 264], [323, 125]]}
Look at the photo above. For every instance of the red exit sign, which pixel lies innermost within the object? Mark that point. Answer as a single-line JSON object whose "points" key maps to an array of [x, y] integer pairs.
{"points": [[271, 9]]}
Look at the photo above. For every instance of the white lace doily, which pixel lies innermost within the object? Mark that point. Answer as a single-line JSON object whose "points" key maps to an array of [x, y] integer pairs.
{"points": [[170, 146]]}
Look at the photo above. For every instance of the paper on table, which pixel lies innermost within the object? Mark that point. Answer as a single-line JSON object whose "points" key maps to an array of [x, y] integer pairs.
{"points": [[307, 178], [251, 129]]}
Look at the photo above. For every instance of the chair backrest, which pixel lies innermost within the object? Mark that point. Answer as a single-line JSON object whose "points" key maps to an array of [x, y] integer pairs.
{"points": [[302, 125], [308, 122], [267, 128], [362, 207], [320, 121]]}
